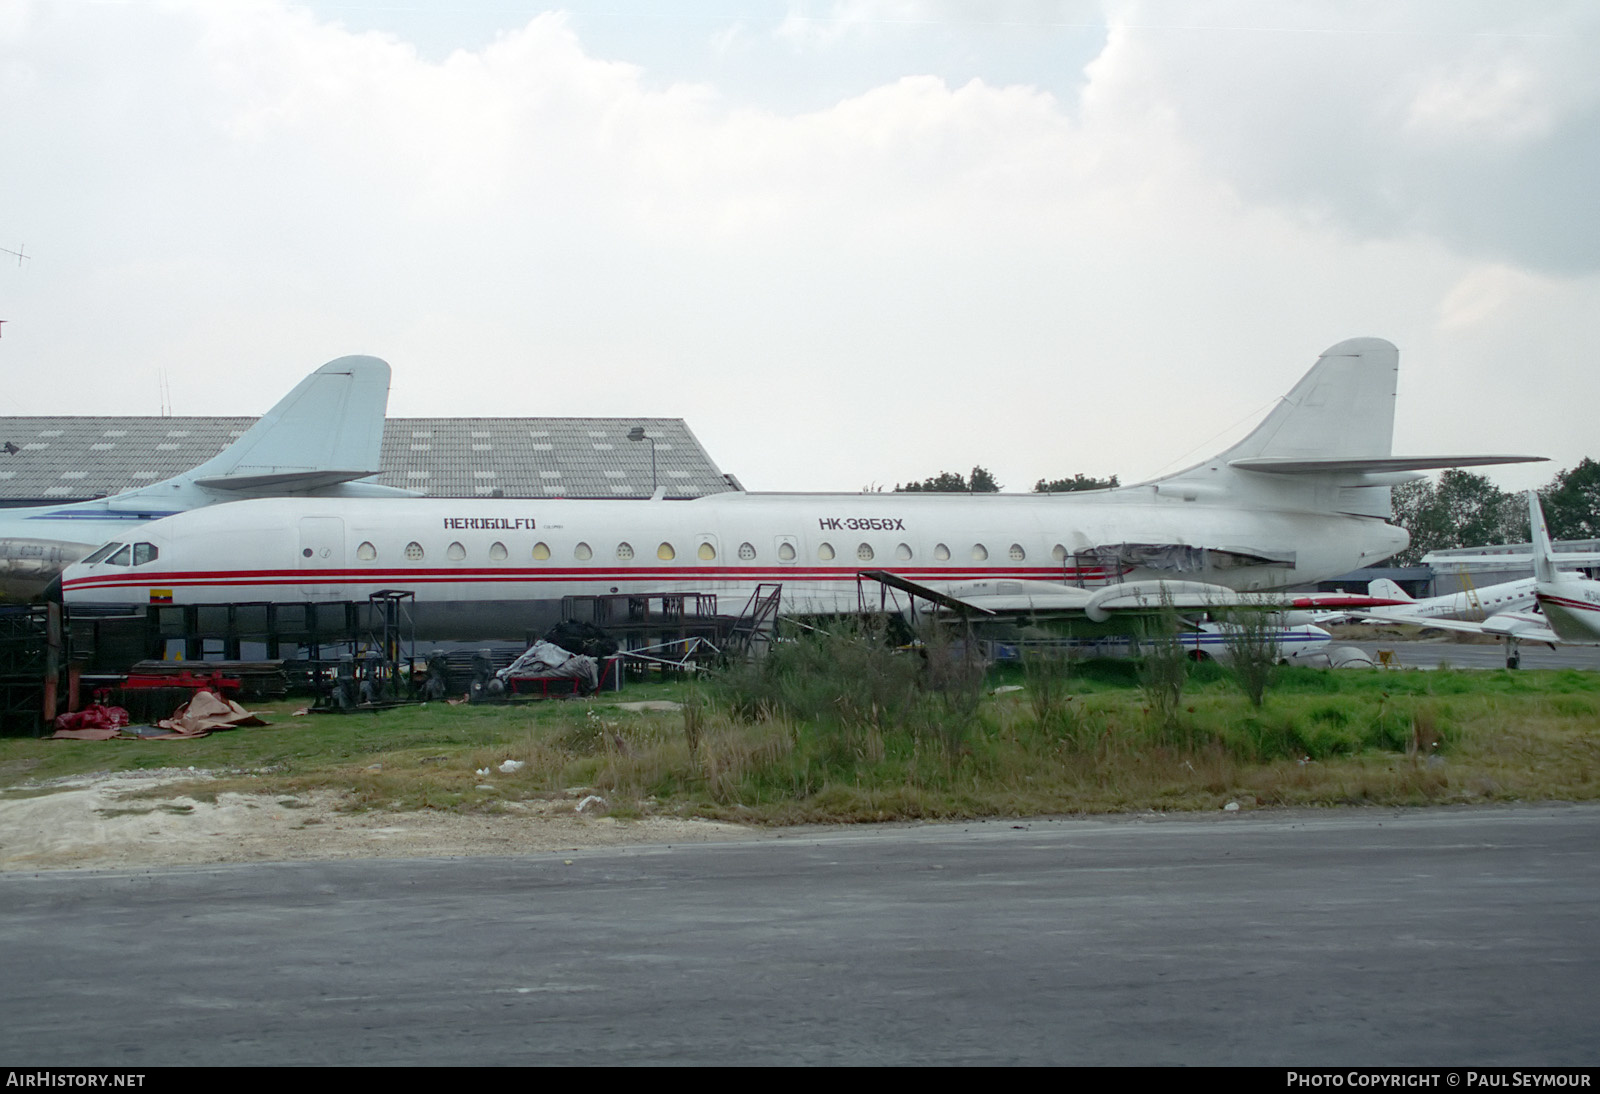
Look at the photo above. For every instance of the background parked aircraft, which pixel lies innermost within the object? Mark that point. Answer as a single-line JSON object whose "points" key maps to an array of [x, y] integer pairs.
{"points": [[1568, 605], [315, 442], [1469, 604]]}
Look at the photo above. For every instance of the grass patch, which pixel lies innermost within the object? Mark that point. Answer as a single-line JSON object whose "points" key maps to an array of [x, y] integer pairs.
{"points": [[16, 793], [845, 730]]}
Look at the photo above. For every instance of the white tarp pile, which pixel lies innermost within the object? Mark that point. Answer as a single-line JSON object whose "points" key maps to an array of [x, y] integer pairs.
{"points": [[552, 662]]}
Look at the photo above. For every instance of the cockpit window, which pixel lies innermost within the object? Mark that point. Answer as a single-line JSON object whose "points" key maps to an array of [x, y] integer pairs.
{"points": [[145, 552], [100, 555], [121, 558]]}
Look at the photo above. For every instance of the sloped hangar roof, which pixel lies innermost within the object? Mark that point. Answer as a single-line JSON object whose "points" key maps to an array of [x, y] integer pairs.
{"points": [[69, 458]]}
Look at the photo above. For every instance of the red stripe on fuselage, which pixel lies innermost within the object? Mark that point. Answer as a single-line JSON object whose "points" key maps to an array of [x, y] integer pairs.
{"points": [[1564, 602], [215, 578]]}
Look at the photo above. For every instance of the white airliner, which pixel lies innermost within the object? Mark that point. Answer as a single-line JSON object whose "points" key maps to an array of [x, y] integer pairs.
{"points": [[1568, 605], [1302, 498], [324, 434], [1477, 604]]}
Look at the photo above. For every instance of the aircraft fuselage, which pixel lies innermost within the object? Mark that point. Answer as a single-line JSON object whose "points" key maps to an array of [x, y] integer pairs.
{"points": [[498, 567]]}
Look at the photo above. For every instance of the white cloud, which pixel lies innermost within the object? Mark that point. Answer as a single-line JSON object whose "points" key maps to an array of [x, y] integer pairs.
{"points": [[1485, 293], [810, 26], [921, 276], [1505, 103], [1475, 123]]}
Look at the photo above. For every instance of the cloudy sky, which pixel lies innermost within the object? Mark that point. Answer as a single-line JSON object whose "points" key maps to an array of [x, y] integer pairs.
{"points": [[852, 242]]}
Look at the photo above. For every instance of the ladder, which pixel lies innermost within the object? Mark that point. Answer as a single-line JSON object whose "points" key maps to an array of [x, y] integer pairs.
{"points": [[757, 622]]}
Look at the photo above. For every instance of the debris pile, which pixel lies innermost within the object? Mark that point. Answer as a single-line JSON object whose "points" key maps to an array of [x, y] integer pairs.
{"points": [[206, 713]]}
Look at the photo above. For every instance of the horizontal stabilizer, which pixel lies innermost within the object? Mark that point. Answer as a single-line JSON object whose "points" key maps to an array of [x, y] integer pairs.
{"points": [[1321, 465], [284, 481]]}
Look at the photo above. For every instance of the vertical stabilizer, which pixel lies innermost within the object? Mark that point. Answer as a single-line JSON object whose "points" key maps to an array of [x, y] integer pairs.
{"points": [[1384, 589], [1343, 407], [1318, 447], [1544, 569], [328, 430]]}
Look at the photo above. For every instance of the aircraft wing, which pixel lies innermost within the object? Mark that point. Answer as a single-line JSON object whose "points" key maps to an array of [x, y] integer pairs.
{"points": [[1045, 599], [1523, 626], [1338, 602], [1466, 559], [1461, 626]]}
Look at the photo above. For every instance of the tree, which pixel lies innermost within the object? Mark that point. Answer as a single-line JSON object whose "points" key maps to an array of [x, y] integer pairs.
{"points": [[982, 482], [1572, 503], [1461, 510], [953, 482], [1077, 482], [945, 482]]}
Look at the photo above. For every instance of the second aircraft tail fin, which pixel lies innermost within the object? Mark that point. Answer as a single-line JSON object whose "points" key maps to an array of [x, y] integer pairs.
{"points": [[1544, 567], [328, 430], [1384, 589]]}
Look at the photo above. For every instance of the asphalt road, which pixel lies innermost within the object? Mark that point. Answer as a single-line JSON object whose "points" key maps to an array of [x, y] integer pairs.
{"points": [[1465, 655], [1354, 937]]}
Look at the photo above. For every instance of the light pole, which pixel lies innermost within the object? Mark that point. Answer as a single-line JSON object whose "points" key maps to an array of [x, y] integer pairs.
{"points": [[637, 434]]}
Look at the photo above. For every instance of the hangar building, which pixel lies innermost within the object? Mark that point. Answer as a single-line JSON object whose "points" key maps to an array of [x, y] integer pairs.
{"points": [[49, 460]]}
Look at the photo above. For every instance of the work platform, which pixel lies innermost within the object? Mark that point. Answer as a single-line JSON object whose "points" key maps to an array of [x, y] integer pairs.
{"points": [[270, 649]]}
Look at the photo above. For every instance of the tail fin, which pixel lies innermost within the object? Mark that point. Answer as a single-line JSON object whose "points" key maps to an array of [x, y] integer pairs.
{"points": [[1544, 567], [1343, 407], [328, 430], [1316, 448], [1327, 446], [1384, 589]]}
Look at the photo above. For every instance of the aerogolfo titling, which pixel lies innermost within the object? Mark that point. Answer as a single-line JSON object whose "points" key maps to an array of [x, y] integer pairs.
{"points": [[511, 524]]}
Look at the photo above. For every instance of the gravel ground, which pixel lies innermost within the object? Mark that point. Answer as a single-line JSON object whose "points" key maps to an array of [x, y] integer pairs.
{"points": [[95, 821]]}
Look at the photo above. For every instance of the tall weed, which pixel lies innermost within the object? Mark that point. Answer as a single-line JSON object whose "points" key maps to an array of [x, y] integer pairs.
{"points": [[1251, 639], [1164, 668]]}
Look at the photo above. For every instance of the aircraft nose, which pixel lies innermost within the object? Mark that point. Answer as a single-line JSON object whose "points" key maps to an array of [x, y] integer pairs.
{"points": [[52, 591]]}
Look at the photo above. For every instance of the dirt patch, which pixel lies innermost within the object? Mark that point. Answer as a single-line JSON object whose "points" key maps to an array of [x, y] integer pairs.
{"points": [[114, 821]]}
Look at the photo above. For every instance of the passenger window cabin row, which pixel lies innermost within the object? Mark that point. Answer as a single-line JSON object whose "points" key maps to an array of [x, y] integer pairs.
{"points": [[137, 554], [706, 552]]}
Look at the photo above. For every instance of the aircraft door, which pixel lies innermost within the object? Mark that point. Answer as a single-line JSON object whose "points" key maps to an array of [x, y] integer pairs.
{"points": [[708, 553], [321, 558]]}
